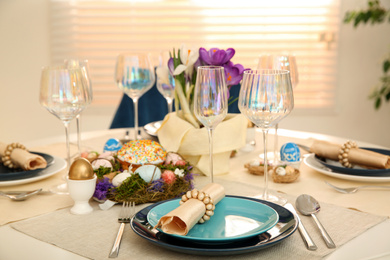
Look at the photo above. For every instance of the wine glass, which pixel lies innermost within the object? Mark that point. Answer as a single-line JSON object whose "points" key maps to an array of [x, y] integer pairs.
{"points": [[210, 101], [134, 75], [279, 62], [266, 97], [83, 64], [64, 93], [165, 81]]}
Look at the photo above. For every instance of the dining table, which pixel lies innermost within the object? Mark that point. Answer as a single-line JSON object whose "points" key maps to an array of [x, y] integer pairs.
{"points": [[42, 227]]}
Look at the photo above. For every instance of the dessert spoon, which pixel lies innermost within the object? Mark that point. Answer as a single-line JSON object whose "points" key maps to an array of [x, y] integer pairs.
{"points": [[307, 205], [19, 196]]}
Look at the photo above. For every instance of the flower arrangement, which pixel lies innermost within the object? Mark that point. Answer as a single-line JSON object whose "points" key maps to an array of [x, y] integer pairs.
{"points": [[183, 67], [116, 184]]}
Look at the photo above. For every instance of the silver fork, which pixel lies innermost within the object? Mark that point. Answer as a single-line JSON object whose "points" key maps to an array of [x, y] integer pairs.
{"points": [[126, 213], [355, 189]]}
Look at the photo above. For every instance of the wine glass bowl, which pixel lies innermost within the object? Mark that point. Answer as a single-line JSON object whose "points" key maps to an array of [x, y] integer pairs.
{"points": [[63, 92], [210, 101], [134, 75], [266, 97]]}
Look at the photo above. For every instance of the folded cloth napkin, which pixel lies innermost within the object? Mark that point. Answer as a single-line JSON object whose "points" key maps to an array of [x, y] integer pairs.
{"points": [[180, 220], [177, 135], [361, 157], [24, 159]]}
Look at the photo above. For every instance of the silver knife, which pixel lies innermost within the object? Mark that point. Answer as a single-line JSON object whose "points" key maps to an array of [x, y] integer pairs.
{"points": [[305, 236]]}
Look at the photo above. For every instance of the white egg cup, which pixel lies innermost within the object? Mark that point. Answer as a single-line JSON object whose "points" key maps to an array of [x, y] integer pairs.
{"points": [[81, 191]]}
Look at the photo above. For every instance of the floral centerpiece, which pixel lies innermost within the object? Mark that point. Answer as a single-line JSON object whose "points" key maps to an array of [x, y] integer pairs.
{"points": [[182, 66], [181, 132]]}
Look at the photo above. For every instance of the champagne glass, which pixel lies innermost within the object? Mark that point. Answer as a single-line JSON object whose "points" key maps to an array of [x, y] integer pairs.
{"points": [[165, 81], [210, 101], [134, 75], [279, 62], [64, 93], [83, 64], [266, 97]]}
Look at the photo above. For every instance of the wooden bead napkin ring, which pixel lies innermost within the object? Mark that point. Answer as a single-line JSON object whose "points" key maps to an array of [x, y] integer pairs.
{"points": [[7, 154], [203, 197], [344, 153]]}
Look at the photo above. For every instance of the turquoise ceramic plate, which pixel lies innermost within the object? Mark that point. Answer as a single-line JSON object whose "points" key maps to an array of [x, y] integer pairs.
{"points": [[233, 219]]}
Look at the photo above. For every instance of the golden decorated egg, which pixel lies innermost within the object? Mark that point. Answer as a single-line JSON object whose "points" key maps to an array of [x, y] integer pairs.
{"points": [[81, 169]]}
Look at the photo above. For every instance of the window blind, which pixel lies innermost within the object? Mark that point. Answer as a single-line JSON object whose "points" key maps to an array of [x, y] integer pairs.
{"points": [[100, 30]]}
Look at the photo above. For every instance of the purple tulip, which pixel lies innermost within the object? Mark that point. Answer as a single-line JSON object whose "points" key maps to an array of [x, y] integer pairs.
{"points": [[233, 73], [216, 56], [171, 66]]}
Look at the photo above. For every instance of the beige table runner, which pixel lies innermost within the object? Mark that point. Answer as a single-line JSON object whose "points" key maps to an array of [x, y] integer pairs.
{"points": [[92, 235]]}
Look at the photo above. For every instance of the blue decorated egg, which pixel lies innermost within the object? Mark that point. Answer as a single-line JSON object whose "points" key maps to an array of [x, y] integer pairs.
{"points": [[149, 172], [290, 152], [112, 145]]}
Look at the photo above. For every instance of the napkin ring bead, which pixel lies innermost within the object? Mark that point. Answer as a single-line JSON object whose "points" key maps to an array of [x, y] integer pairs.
{"points": [[344, 153], [203, 197], [7, 154]]}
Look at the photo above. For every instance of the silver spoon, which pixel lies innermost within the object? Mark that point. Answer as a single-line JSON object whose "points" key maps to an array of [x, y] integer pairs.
{"points": [[307, 205], [20, 196]]}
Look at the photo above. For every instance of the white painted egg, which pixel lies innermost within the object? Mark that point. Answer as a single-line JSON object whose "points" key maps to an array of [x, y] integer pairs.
{"points": [[149, 172], [119, 178], [101, 162], [107, 155], [254, 163], [280, 171]]}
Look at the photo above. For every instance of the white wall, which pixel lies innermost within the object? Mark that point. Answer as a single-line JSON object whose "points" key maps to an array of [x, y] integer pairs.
{"points": [[24, 49]]}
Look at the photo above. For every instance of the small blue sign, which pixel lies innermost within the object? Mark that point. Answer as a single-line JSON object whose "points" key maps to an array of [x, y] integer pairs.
{"points": [[112, 145], [290, 152]]}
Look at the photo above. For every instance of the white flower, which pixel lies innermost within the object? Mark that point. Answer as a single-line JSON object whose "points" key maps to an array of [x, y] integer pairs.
{"points": [[179, 173], [187, 57], [163, 75]]}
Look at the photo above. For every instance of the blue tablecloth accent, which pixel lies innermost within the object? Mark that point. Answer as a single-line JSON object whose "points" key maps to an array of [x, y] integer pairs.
{"points": [[152, 106]]}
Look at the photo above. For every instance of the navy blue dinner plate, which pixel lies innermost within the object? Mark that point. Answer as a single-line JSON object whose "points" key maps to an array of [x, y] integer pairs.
{"points": [[359, 171], [7, 174]]}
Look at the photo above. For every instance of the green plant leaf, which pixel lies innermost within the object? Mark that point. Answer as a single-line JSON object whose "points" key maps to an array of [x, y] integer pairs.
{"points": [[386, 66], [378, 103], [387, 96]]}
